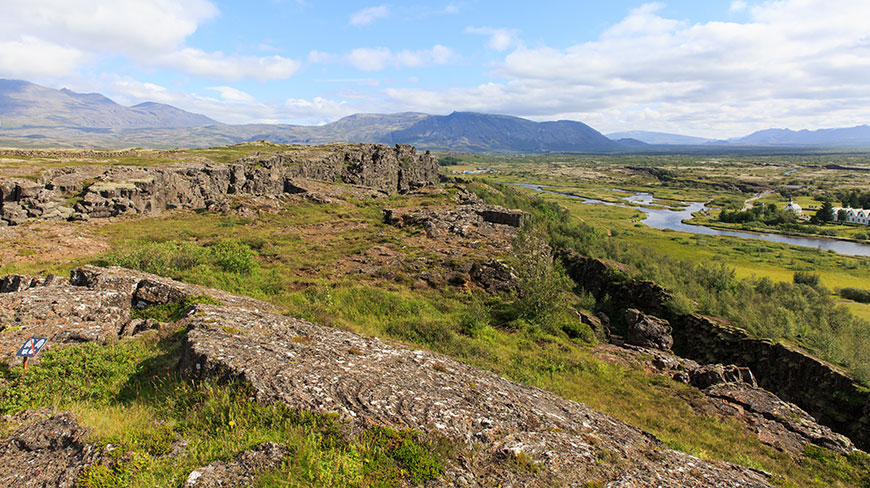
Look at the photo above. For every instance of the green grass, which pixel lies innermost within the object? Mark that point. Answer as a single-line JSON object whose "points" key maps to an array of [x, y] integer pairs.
{"points": [[130, 396]]}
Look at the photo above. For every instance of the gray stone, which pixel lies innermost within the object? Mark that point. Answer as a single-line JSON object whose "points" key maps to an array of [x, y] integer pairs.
{"points": [[648, 330]]}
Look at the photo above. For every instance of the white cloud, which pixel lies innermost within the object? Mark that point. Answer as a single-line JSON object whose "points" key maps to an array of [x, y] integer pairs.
{"points": [[797, 63], [41, 38], [499, 39], [217, 65], [29, 57], [369, 15], [133, 27], [380, 58], [232, 94], [738, 6]]}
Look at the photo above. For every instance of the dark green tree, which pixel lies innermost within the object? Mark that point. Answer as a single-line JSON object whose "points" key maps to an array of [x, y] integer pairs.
{"points": [[825, 213]]}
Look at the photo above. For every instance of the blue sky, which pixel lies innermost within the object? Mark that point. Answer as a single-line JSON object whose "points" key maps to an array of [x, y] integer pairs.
{"points": [[710, 68]]}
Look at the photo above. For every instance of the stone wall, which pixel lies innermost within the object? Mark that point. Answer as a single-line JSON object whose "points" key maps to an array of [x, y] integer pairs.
{"points": [[827, 392], [83, 192]]}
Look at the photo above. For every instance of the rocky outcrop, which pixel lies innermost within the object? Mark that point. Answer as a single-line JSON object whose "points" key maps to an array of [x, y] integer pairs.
{"points": [[716, 374], [367, 381], [45, 450], [93, 305], [80, 193], [475, 220], [826, 392], [468, 237], [731, 392], [647, 331], [777, 423], [241, 471]]}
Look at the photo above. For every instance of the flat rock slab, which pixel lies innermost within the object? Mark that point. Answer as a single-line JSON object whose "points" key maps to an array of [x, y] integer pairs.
{"points": [[367, 381], [777, 423]]}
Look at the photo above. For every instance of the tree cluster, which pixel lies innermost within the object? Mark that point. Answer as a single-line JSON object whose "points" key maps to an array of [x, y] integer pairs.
{"points": [[855, 198], [767, 214]]}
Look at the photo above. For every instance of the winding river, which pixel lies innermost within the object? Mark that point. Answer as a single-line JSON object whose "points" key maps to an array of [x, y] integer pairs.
{"points": [[673, 219]]}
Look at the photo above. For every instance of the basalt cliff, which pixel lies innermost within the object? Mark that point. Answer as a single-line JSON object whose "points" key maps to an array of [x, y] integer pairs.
{"points": [[82, 192]]}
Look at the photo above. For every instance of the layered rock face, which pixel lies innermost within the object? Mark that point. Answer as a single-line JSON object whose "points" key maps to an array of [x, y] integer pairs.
{"points": [[79, 193], [825, 391], [367, 381]]}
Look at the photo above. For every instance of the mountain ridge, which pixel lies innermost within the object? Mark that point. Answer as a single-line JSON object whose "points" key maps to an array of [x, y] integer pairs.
{"points": [[32, 115]]}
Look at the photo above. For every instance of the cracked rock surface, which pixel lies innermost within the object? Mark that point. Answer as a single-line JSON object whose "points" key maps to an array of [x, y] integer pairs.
{"points": [[368, 381], [45, 450]]}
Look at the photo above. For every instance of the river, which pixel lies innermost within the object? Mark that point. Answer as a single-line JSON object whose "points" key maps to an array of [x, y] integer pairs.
{"points": [[665, 218]]}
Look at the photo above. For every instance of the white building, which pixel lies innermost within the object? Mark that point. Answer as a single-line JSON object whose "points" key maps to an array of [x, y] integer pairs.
{"points": [[853, 215], [793, 207]]}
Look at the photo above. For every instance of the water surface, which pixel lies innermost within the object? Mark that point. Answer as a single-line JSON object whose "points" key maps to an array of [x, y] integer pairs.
{"points": [[673, 219]]}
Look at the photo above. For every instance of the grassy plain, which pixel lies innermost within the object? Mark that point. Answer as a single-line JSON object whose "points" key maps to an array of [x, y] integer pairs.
{"points": [[698, 179]]}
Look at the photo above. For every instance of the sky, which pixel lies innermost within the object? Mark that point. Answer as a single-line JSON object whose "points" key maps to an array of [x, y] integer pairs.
{"points": [[710, 68]]}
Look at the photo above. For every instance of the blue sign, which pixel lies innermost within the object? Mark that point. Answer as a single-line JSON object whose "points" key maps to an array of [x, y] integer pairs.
{"points": [[31, 347]]}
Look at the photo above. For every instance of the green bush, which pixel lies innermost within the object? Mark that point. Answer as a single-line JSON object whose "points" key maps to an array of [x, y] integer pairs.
{"points": [[855, 294], [807, 278]]}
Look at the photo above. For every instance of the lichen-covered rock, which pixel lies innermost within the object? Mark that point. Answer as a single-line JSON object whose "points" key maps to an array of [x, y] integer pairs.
{"points": [[777, 423], [465, 220], [241, 471], [367, 381], [647, 331], [45, 450]]}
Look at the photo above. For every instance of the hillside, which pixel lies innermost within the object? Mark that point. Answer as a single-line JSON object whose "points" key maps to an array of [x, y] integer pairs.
{"points": [[24, 104], [466, 131]]}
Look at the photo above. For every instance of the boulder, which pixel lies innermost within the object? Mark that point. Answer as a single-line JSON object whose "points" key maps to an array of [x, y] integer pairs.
{"points": [[647, 330]]}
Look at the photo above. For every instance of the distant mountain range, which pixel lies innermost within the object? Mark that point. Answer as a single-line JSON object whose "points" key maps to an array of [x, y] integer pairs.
{"points": [[35, 116], [659, 138], [847, 136]]}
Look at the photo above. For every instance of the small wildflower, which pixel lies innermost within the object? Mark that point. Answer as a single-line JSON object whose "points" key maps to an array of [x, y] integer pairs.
{"points": [[232, 423]]}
